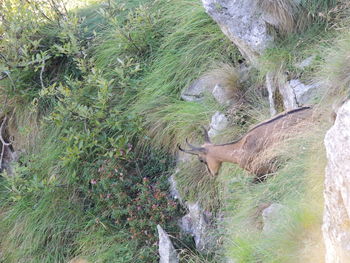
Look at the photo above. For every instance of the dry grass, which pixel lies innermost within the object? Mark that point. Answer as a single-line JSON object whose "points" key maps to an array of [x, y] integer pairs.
{"points": [[226, 76], [335, 71], [281, 13]]}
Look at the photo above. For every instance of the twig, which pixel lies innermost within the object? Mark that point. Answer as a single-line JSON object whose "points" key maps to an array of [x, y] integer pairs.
{"points": [[37, 8]]}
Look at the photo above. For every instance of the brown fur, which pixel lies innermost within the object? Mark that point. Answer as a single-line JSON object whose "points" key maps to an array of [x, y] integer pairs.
{"points": [[253, 144]]}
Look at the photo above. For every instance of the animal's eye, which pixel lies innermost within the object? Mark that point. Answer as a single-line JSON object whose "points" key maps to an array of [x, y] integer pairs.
{"points": [[201, 161]]}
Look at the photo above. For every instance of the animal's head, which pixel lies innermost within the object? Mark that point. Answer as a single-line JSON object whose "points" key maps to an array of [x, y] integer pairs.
{"points": [[205, 154]]}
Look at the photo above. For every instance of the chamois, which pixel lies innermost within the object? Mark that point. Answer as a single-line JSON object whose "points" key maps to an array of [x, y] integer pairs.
{"points": [[251, 146]]}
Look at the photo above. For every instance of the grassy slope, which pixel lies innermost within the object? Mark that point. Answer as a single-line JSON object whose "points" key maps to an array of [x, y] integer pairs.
{"points": [[53, 226]]}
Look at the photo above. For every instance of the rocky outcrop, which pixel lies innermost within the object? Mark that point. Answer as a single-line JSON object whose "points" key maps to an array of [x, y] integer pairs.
{"points": [[294, 93], [336, 219], [197, 223], [218, 123], [241, 22], [167, 252]]}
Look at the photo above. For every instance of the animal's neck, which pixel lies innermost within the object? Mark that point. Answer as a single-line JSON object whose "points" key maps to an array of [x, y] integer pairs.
{"points": [[231, 153]]}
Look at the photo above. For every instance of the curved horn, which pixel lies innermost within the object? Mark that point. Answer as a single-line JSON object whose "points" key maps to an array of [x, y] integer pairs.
{"points": [[194, 148], [206, 135], [186, 151]]}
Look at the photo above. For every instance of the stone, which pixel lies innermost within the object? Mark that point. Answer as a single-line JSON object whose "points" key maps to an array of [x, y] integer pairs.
{"points": [[167, 252], [288, 95], [218, 123], [305, 63], [197, 224], [336, 218], [294, 93], [271, 89], [222, 95], [196, 91], [303, 93], [272, 217], [241, 22]]}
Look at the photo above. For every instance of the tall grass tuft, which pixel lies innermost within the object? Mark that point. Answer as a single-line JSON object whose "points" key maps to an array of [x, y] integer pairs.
{"points": [[280, 13], [334, 72]]}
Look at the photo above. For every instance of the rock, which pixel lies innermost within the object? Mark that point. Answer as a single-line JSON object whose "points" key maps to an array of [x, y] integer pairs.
{"points": [[197, 224], [222, 95], [288, 95], [303, 93], [271, 217], [271, 89], [305, 63], [294, 93], [218, 123], [241, 22], [336, 218], [196, 91], [167, 252]]}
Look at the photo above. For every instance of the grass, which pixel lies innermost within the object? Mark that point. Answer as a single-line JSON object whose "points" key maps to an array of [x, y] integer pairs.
{"points": [[297, 233], [283, 13], [334, 71], [172, 44], [40, 228]]}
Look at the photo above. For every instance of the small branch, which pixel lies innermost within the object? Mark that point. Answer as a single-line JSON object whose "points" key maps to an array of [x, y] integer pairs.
{"points": [[37, 8], [4, 76], [1, 131]]}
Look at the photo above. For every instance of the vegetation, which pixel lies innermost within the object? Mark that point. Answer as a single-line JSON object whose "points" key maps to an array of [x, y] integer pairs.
{"points": [[93, 100]]}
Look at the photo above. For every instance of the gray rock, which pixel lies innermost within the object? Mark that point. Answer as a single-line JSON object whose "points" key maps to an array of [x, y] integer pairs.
{"points": [[240, 21], [222, 95], [287, 92], [271, 217], [303, 93], [271, 89], [305, 63], [294, 93], [167, 252], [336, 218], [196, 91], [197, 224], [218, 123]]}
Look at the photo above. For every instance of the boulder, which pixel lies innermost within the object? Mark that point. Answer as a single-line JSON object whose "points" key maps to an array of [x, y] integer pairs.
{"points": [[241, 22], [303, 93], [218, 123], [336, 219], [271, 217], [167, 252], [221, 94], [196, 91], [197, 224], [294, 93]]}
